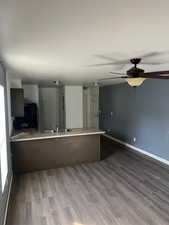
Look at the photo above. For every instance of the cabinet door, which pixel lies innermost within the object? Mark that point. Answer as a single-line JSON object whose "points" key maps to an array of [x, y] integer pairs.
{"points": [[17, 102]]}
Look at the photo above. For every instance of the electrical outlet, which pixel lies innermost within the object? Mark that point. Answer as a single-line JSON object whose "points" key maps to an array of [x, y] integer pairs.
{"points": [[134, 139]]}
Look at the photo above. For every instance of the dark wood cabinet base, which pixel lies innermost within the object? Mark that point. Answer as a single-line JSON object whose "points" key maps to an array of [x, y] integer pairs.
{"points": [[44, 154]]}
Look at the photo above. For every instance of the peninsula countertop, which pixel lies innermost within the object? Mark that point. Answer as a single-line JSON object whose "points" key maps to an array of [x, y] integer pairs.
{"points": [[28, 136]]}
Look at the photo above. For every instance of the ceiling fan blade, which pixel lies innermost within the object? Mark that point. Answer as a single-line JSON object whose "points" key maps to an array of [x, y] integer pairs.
{"points": [[146, 56], [116, 61], [152, 63], [157, 75], [111, 78], [116, 73], [105, 57], [151, 54], [122, 62], [102, 64], [125, 62], [113, 60]]}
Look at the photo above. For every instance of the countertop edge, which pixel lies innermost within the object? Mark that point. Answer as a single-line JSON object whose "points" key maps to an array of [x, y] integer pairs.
{"points": [[58, 136]]}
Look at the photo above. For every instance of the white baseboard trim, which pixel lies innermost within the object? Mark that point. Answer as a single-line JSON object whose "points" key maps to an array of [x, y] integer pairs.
{"points": [[133, 148], [7, 203]]}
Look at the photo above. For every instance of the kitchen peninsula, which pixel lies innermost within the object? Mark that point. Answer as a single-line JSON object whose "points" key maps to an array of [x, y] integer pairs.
{"points": [[41, 150]]}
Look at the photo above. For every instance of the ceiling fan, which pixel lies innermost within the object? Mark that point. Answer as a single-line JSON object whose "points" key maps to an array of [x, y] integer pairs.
{"points": [[136, 76]]}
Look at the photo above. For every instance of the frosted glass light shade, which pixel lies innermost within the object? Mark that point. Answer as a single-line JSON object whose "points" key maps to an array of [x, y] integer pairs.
{"points": [[135, 82]]}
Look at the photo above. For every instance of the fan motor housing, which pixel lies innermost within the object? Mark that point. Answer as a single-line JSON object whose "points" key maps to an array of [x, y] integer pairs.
{"points": [[135, 72]]}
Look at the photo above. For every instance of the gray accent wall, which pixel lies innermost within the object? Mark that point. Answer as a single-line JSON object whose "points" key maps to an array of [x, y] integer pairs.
{"points": [[3, 197], [141, 112]]}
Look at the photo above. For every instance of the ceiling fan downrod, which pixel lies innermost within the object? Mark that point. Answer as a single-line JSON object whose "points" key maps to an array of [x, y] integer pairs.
{"points": [[135, 61]]}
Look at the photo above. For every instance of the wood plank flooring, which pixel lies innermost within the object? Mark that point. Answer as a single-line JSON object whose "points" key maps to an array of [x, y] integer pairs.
{"points": [[124, 189]]}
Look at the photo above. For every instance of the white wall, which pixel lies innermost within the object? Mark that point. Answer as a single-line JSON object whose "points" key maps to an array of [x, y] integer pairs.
{"points": [[15, 83], [31, 93], [74, 106]]}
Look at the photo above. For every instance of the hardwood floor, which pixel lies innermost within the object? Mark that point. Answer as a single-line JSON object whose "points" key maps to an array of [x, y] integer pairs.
{"points": [[124, 189]]}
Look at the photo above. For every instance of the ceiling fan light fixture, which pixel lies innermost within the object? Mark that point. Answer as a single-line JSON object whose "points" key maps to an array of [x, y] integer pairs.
{"points": [[135, 82]]}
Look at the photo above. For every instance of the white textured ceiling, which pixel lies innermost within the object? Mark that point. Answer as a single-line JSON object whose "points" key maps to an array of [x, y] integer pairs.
{"points": [[58, 39]]}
